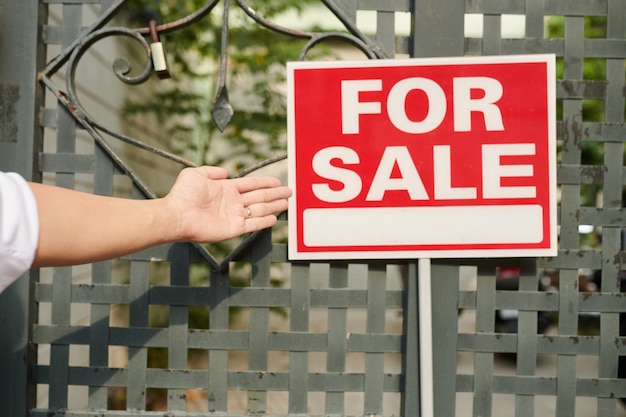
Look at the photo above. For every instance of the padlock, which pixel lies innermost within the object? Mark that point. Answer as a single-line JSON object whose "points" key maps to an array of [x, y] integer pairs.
{"points": [[159, 61]]}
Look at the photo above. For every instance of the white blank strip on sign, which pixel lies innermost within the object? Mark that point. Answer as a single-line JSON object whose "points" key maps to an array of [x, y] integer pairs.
{"points": [[456, 225]]}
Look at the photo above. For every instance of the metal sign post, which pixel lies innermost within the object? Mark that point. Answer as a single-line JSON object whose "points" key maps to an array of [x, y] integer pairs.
{"points": [[426, 334]]}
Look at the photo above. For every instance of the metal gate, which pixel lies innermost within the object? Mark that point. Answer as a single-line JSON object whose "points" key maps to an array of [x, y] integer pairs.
{"points": [[348, 344]]}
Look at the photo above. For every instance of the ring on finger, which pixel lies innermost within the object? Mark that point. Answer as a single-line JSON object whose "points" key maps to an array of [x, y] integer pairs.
{"points": [[248, 212]]}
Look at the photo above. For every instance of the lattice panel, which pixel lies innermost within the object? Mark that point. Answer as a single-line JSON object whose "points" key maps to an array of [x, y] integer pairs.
{"points": [[572, 369], [333, 346], [173, 330]]}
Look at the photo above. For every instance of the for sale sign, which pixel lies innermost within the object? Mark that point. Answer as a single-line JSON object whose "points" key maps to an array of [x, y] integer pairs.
{"points": [[425, 158]]}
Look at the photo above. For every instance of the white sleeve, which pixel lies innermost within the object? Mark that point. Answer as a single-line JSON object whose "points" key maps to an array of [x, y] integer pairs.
{"points": [[19, 228]]}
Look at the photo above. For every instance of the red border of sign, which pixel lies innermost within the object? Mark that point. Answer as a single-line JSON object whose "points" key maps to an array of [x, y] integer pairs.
{"points": [[430, 250]]}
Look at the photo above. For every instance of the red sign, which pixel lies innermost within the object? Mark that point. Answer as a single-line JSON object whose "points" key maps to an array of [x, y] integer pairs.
{"points": [[425, 158]]}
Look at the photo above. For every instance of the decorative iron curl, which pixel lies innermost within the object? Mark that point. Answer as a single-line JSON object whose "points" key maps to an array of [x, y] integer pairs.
{"points": [[260, 165], [184, 21], [355, 37], [122, 67], [318, 38]]}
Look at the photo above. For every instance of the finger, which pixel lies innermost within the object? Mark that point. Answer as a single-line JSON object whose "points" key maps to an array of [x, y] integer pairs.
{"points": [[265, 195], [265, 209], [257, 223], [247, 184]]}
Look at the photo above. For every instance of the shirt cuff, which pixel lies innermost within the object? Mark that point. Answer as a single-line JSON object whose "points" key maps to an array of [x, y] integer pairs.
{"points": [[19, 228]]}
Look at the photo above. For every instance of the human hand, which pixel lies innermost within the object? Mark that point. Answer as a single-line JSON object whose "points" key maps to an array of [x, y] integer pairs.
{"points": [[208, 207]]}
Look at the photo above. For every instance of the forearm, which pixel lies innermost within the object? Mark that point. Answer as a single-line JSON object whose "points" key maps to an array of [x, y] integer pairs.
{"points": [[202, 206], [80, 228]]}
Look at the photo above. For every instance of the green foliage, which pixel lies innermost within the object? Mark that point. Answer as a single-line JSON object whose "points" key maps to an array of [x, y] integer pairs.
{"points": [[593, 69], [255, 73]]}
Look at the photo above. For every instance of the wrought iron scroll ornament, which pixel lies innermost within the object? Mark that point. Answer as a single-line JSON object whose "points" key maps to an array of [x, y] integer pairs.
{"points": [[222, 111]]}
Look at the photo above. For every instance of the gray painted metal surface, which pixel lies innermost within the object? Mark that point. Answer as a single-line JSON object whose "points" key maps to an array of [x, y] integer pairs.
{"points": [[322, 302]]}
